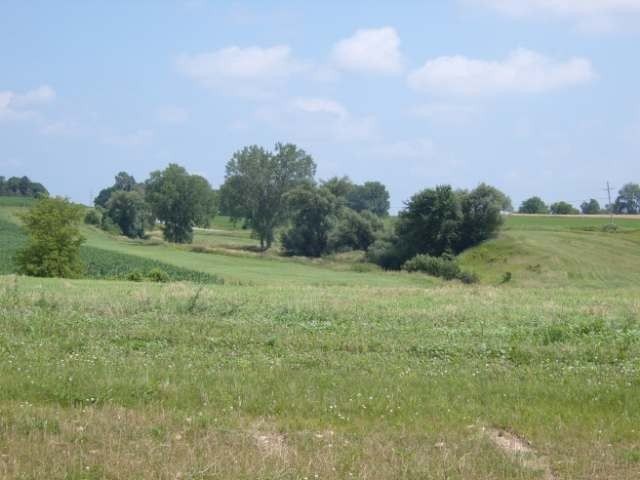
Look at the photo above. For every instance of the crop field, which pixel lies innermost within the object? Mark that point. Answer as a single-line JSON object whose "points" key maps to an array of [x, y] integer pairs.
{"points": [[333, 369]]}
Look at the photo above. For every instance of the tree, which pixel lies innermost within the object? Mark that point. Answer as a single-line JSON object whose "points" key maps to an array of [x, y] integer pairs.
{"points": [[533, 205], [179, 200], [562, 208], [21, 187], [628, 200], [206, 208], [129, 211], [430, 223], [354, 231], [313, 212], [591, 207], [53, 247], [257, 182], [123, 183], [481, 217], [371, 196], [339, 186]]}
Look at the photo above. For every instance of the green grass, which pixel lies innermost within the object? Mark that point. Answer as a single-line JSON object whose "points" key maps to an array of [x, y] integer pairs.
{"points": [[557, 251], [298, 369], [298, 381]]}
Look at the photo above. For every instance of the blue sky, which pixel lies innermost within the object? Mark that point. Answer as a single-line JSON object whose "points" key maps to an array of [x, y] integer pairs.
{"points": [[534, 96]]}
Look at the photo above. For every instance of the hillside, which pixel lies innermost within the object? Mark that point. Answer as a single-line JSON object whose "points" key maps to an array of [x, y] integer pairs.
{"points": [[551, 251]]}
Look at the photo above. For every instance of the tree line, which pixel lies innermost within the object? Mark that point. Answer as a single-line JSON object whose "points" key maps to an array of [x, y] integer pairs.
{"points": [[627, 202], [21, 187], [276, 195]]}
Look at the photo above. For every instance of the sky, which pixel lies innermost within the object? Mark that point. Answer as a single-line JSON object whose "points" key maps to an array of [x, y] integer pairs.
{"points": [[536, 97]]}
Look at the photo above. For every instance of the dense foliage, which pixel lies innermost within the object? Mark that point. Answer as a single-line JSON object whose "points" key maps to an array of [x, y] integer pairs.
{"points": [[21, 187], [313, 215], [53, 246], [370, 196], [563, 208], [628, 200], [533, 205], [256, 184], [592, 207], [438, 221], [179, 200]]}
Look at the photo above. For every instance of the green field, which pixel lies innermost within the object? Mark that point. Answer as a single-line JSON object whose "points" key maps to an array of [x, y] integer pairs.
{"points": [[328, 369]]}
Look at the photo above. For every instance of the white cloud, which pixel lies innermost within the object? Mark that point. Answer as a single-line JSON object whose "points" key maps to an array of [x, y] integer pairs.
{"points": [[320, 105], [317, 120], [370, 50], [598, 15], [172, 114], [137, 138], [445, 112], [523, 71], [20, 106], [251, 71]]}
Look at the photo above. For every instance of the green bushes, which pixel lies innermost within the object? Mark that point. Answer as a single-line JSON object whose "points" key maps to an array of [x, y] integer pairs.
{"points": [[445, 267]]}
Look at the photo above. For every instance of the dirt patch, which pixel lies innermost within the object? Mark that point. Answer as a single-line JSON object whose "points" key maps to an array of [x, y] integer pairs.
{"points": [[520, 450]]}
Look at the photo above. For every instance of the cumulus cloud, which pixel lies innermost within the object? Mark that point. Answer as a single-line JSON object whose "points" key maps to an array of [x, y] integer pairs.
{"points": [[317, 120], [589, 14], [247, 71], [523, 71], [374, 50], [18, 106]]}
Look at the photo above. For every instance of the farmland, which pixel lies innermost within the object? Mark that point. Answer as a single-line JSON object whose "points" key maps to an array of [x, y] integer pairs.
{"points": [[332, 368]]}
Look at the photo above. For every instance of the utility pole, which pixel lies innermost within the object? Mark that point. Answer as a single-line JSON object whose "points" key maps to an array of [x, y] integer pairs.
{"points": [[610, 204]]}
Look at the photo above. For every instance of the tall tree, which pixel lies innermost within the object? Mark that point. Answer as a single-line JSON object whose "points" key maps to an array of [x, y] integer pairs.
{"points": [[371, 196], [256, 183], [179, 200], [562, 208], [53, 248], [628, 200]]}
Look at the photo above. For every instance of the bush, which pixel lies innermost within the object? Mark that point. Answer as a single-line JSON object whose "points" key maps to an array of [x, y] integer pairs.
{"points": [[135, 276], [93, 217], [387, 252], [443, 267], [468, 277], [354, 231], [158, 275], [108, 225], [53, 247]]}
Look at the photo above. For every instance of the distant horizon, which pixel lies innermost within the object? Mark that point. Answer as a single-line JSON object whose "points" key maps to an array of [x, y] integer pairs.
{"points": [[532, 99]]}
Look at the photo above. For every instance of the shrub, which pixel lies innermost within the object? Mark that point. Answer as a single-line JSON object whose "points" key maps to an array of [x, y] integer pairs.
{"points": [[53, 247], [93, 217], [506, 278], [158, 275], [135, 276], [387, 252], [468, 277], [109, 226], [354, 231], [443, 267]]}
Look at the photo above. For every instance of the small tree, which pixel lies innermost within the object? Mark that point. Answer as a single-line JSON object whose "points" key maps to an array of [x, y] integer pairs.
{"points": [[53, 248], [562, 208], [179, 200], [128, 210], [481, 217], [354, 231], [591, 207], [533, 205], [313, 217]]}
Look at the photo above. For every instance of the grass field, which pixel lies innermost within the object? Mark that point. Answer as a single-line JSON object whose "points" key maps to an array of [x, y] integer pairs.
{"points": [[294, 369]]}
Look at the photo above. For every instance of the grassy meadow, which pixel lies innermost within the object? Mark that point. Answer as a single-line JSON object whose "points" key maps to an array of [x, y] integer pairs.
{"points": [[276, 368]]}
